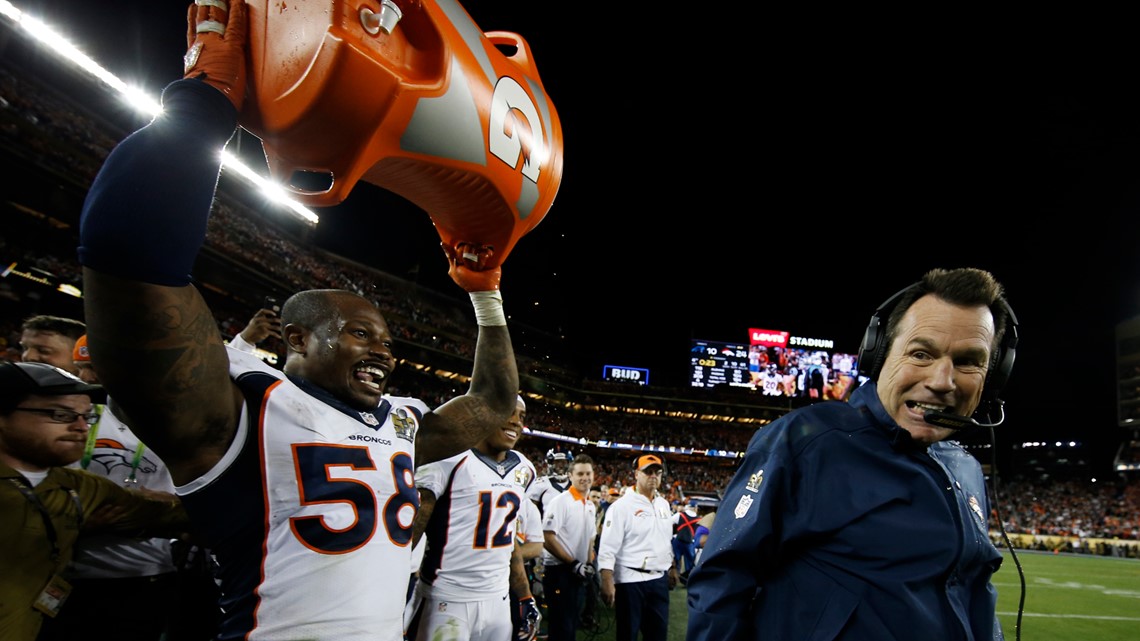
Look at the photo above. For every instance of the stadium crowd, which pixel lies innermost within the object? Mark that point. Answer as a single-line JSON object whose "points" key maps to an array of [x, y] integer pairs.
{"points": [[49, 132], [45, 129]]}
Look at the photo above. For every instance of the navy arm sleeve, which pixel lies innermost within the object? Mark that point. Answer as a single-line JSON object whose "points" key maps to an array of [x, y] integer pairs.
{"points": [[145, 215]]}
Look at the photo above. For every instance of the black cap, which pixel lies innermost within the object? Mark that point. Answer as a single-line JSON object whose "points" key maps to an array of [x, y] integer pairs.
{"points": [[18, 380]]}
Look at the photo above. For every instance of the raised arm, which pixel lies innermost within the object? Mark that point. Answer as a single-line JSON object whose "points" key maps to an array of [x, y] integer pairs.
{"points": [[464, 421], [155, 342]]}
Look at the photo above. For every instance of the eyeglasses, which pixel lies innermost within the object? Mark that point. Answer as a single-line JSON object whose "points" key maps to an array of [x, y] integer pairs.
{"points": [[66, 417]]}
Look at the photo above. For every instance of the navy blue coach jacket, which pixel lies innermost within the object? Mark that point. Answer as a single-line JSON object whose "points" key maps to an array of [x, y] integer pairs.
{"points": [[839, 526]]}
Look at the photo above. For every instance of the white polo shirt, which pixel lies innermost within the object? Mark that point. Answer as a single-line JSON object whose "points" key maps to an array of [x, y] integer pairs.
{"points": [[637, 538], [571, 516]]}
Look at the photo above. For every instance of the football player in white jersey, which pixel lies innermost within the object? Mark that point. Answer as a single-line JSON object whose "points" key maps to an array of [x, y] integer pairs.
{"points": [[470, 505], [556, 481], [771, 382], [301, 481]]}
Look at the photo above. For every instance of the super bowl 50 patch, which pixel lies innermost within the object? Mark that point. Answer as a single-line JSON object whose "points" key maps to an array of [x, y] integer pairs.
{"points": [[754, 481], [405, 424]]}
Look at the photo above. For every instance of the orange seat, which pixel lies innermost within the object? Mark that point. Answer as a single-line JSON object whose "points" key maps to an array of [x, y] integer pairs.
{"points": [[433, 111]]}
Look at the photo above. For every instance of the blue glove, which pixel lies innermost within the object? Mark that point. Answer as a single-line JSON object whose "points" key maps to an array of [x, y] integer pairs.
{"points": [[529, 618]]}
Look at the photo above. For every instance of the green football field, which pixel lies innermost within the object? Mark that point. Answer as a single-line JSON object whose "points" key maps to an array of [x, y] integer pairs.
{"points": [[1067, 598], [1070, 597]]}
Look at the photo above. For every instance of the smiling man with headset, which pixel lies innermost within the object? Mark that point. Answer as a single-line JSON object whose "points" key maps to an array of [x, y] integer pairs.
{"points": [[860, 520]]}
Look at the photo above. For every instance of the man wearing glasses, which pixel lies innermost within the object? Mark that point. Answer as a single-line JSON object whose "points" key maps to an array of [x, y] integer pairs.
{"points": [[45, 415], [108, 569]]}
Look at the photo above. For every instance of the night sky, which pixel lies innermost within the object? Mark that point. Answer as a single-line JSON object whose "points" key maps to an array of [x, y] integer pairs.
{"points": [[728, 169]]}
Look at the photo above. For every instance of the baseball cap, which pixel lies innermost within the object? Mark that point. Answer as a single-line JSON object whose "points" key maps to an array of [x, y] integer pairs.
{"points": [[80, 353], [647, 460], [18, 380]]}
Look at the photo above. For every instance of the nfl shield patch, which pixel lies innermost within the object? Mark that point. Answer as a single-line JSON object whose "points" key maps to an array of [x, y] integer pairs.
{"points": [[742, 506]]}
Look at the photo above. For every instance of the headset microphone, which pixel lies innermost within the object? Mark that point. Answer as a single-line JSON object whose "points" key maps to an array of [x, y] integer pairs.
{"points": [[956, 422]]}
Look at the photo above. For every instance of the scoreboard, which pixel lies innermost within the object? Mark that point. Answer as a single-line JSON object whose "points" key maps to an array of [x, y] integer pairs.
{"points": [[712, 363]]}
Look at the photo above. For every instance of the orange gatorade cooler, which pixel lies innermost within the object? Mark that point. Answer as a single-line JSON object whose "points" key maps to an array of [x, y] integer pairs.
{"points": [[411, 96]]}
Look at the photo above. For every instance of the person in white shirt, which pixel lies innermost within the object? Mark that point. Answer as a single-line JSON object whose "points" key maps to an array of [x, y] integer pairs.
{"points": [[635, 556], [569, 528]]}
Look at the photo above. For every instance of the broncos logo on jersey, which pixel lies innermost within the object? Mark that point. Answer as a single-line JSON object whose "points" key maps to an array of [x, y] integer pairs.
{"points": [[112, 457]]}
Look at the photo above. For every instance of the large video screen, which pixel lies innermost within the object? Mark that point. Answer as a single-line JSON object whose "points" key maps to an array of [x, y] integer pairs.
{"points": [[786, 372], [815, 374]]}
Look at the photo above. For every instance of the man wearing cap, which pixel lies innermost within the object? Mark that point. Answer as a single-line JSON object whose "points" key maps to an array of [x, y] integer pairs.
{"points": [[45, 414], [110, 569], [635, 556]]}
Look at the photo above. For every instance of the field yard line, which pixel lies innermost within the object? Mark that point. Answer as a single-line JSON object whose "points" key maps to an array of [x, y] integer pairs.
{"points": [[1043, 582], [1069, 616]]}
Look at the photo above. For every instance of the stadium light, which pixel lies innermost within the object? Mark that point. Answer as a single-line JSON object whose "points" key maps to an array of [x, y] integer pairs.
{"points": [[142, 102], [270, 189]]}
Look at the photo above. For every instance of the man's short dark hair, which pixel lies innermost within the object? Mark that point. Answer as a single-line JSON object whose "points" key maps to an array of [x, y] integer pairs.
{"points": [[68, 327], [964, 286], [582, 458]]}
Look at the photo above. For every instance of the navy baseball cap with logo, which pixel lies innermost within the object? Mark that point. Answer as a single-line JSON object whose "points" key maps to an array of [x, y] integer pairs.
{"points": [[19, 380]]}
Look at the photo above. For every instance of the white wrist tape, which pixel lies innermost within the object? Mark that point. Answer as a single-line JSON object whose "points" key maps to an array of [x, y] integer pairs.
{"points": [[488, 308], [211, 26]]}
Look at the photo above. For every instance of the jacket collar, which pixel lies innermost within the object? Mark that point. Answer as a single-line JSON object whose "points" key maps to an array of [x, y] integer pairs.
{"points": [[866, 398]]}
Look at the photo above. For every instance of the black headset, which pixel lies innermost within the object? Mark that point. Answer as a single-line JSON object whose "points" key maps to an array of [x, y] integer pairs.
{"points": [[873, 349]]}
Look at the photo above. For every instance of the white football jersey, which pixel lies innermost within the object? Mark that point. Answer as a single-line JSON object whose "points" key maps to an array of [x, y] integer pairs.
{"points": [[471, 532], [771, 383], [545, 488], [119, 455], [310, 512]]}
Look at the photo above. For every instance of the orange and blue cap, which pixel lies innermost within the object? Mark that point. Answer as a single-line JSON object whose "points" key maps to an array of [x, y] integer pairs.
{"points": [[648, 460], [79, 352]]}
